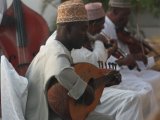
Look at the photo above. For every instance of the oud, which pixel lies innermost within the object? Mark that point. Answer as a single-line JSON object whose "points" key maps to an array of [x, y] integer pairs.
{"points": [[66, 107]]}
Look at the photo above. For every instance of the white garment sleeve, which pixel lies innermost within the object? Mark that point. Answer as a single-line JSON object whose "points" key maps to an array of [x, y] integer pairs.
{"points": [[100, 51], [72, 82], [109, 29], [150, 64], [69, 79]]}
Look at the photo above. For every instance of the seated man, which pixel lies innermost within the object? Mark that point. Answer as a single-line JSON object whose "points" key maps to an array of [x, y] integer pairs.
{"points": [[54, 61], [120, 103], [116, 20]]}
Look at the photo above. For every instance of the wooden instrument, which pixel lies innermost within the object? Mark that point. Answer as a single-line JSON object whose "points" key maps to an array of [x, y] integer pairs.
{"points": [[135, 46], [66, 107], [118, 53], [21, 42]]}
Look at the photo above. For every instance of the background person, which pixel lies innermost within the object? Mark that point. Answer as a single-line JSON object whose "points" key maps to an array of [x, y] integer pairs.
{"points": [[117, 17], [118, 103]]}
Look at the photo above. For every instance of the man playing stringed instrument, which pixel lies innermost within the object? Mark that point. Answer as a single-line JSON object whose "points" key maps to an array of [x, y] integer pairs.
{"points": [[93, 51], [117, 17], [115, 22], [54, 61]]}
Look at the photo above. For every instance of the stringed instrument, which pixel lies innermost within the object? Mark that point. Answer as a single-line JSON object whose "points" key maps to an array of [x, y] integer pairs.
{"points": [[135, 46], [117, 52], [66, 107], [21, 42]]}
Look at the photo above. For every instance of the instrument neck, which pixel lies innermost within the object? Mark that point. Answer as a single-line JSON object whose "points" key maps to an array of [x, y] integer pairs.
{"points": [[20, 29]]}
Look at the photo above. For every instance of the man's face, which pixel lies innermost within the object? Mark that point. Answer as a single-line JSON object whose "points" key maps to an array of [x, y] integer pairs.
{"points": [[97, 26], [122, 17], [78, 34]]}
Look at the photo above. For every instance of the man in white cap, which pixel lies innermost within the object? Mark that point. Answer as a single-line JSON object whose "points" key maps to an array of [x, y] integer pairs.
{"points": [[117, 17], [112, 100], [93, 50], [54, 61]]}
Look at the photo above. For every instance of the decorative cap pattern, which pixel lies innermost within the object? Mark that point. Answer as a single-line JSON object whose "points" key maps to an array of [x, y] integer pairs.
{"points": [[120, 3], [94, 10], [71, 11]]}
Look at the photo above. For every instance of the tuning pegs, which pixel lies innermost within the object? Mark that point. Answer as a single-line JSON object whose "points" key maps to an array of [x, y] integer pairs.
{"points": [[111, 65], [100, 64]]}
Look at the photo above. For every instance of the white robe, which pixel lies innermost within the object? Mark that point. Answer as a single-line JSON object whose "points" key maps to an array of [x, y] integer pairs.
{"points": [[135, 80], [14, 91], [120, 101], [53, 59]]}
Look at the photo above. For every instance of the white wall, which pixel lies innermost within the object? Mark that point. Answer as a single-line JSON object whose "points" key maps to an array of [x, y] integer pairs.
{"points": [[148, 23], [50, 13]]}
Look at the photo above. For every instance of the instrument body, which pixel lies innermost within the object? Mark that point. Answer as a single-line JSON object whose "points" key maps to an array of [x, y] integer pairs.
{"points": [[112, 46], [65, 106], [135, 46], [21, 42]]}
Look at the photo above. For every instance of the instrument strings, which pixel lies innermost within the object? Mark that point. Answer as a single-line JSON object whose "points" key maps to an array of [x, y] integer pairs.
{"points": [[118, 49]]}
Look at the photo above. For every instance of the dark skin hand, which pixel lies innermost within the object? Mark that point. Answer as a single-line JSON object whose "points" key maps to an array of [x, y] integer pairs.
{"points": [[141, 57], [112, 78], [88, 96], [130, 60], [112, 46]]}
